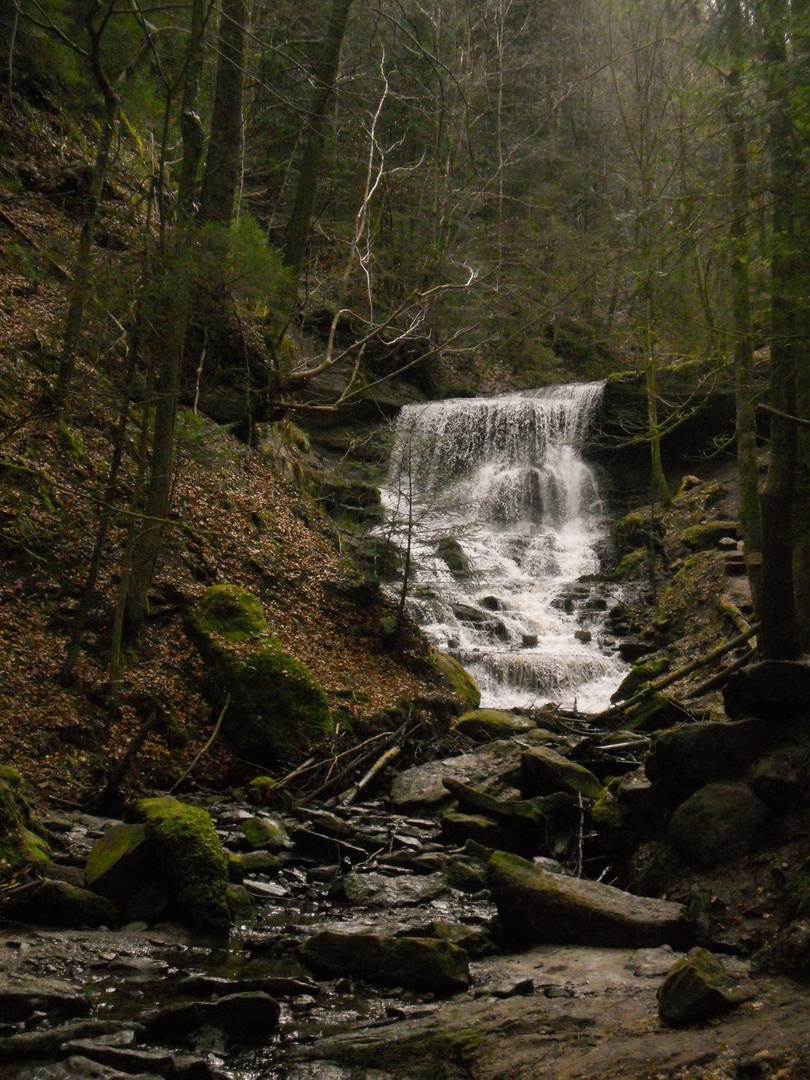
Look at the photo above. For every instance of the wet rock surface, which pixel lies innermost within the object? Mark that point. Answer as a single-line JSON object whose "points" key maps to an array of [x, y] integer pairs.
{"points": [[391, 941]]}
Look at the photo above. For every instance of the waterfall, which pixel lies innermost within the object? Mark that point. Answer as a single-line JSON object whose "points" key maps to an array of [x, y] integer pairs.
{"points": [[504, 519]]}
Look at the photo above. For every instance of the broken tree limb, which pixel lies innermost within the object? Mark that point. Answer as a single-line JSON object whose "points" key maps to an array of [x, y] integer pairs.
{"points": [[725, 607], [673, 676], [205, 748], [381, 763], [719, 680]]}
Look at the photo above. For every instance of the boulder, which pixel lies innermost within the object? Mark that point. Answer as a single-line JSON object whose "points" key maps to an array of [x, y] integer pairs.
{"points": [[172, 857], [250, 1017], [459, 681], [546, 772], [638, 676], [51, 902], [718, 823], [251, 862], [485, 725], [276, 708], [685, 758], [708, 535], [493, 767], [536, 907], [782, 778], [773, 689], [265, 833], [698, 988], [380, 890], [529, 822], [426, 964], [458, 828]]}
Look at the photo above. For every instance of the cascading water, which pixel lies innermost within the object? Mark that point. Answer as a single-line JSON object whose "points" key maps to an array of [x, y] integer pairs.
{"points": [[503, 517]]}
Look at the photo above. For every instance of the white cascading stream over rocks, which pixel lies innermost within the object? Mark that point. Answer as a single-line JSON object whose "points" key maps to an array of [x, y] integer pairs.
{"points": [[504, 517]]}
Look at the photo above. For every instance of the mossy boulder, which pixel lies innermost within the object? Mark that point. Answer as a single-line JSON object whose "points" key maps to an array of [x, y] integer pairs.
{"points": [[536, 907], [452, 555], [456, 678], [545, 772], [682, 759], [487, 724], [706, 536], [698, 988], [265, 833], [191, 858], [657, 712], [415, 963], [171, 857], [277, 709], [232, 613], [638, 676], [57, 903], [19, 845]]}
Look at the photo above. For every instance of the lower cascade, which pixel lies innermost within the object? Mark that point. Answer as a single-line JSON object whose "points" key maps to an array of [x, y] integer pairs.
{"points": [[499, 518]]}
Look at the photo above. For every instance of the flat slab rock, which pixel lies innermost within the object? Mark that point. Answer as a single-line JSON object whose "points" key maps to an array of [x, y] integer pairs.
{"points": [[537, 907], [22, 995], [493, 768], [592, 1013]]}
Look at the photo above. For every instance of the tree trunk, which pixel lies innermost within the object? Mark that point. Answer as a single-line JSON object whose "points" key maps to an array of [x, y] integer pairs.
{"points": [[748, 468], [326, 69], [223, 163], [83, 265], [779, 638]]}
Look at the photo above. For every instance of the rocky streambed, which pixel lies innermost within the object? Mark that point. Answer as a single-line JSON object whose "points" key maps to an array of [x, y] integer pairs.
{"points": [[453, 927]]}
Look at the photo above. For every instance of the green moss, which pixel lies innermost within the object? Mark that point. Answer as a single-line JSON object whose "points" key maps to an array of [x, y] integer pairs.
{"points": [[231, 612], [191, 858], [638, 676], [19, 846], [118, 843], [706, 536], [277, 708], [460, 681]]}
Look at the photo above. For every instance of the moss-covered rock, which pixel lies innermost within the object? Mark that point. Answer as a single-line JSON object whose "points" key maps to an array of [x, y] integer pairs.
{"points": [[638, 676], [536, 907], [487, 724], [265, 833], [191, 860], [230, 612], [277, 708], [19, 845], [452, 555], [57, 903], [545, 772], [457, 679], [698, 987], [706, 536], [655, 713]]}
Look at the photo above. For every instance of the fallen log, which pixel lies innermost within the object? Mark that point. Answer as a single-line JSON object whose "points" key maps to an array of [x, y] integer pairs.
{"points": [[667, 680]]}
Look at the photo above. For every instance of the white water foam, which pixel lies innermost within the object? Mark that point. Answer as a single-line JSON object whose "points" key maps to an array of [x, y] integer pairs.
{"points": [[504, 516]]}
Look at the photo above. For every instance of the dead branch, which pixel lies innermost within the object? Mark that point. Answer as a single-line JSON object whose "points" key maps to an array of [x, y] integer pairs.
{"points": [[205, 748], [733, 612], [720, 679], [348, 797]]}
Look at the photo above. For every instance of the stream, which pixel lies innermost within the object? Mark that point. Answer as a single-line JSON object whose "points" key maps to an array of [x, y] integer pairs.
{"points": [[502, 518]]}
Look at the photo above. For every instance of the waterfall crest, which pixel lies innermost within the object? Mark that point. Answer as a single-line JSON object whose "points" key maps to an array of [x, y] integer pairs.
{"points": [[503, 516]]}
